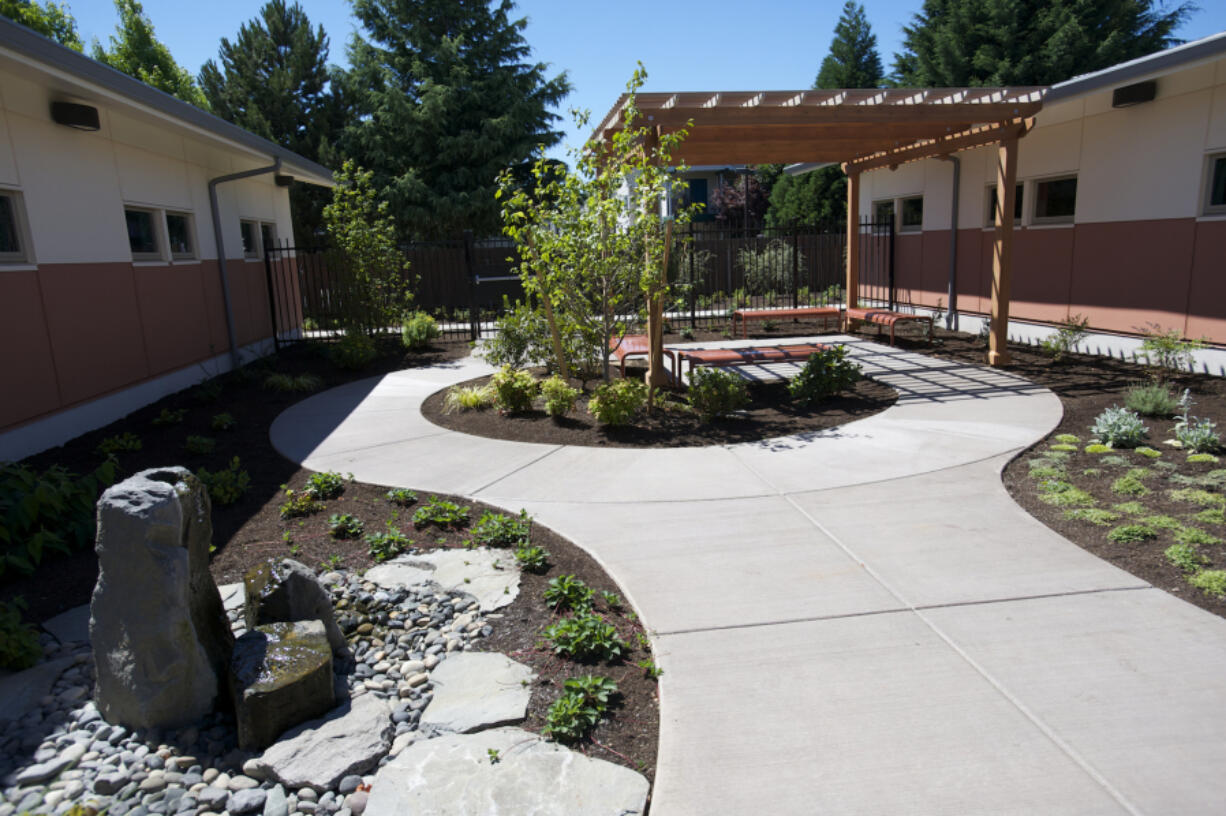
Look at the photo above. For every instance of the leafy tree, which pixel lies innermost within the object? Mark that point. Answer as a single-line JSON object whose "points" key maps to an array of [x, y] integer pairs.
{"points": [[446, 99], [274, 81], [954, 43], [727, 200], [376, 286], [820, 196], [138, 53], [52, 20], [853, 61]]}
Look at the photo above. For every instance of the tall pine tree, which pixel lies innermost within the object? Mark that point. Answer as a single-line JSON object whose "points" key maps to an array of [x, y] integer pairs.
{"points": [[136, 51], [952, 43], [820, 196], [446, 97], [274, 81]]}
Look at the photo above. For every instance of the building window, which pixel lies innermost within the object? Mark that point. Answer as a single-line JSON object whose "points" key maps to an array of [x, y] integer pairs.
{"points": [[989, 216], [251, 241], [268, 236], [1055, 200], [12, 229], [1215, 193], [179, 235], [883, 211], [912, 214], [143, 234]]}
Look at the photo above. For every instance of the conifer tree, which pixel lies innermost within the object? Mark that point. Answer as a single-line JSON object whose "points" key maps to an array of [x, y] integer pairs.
{"points": [[52, 20], [446, 98], [136, 51], [853, 61]]}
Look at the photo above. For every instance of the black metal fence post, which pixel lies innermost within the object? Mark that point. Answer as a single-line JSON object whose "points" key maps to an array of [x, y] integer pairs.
{"points": [[474, 318], [795, 267], [272, 297], [890, 250], [693, 248]]}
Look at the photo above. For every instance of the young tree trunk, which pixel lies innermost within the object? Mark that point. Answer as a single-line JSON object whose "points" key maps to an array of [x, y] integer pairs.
{"points": [[657, 375], [563, 368]]}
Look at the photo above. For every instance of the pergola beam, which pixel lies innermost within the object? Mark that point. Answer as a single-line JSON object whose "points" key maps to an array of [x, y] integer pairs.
{"points": [[943, 146]]}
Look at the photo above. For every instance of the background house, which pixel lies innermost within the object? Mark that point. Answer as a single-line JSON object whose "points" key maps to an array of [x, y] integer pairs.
{"points": [[110, 287]]}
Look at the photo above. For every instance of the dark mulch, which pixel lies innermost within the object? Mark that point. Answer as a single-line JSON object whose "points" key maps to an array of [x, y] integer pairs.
{"points": [[1086, 385]]}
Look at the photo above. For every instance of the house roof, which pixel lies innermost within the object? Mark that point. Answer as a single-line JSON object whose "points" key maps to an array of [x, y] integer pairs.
{"points": [[864, 128], [1147, 67], [77, 74]]}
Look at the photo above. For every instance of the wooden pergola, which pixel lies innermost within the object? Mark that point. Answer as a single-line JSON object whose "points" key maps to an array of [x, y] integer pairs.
{"points": [[860, 130]]}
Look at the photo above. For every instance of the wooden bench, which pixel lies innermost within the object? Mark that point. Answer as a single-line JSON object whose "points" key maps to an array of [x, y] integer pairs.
{"points": [[746, 315], [884, 317], [634, 345], [747, 356]]}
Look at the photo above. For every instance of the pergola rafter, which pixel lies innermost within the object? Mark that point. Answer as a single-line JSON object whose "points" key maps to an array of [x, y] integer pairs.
{"points": [[859, 129]]}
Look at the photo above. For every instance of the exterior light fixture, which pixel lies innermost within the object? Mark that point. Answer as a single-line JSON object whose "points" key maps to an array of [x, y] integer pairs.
{"points": [[70, 114]]}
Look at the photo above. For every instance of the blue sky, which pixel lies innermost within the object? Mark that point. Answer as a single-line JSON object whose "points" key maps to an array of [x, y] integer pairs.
{"points": [[685, 45]]}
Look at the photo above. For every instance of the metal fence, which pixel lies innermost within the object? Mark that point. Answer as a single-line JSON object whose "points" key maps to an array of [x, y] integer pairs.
{"points": [[465, 283]]}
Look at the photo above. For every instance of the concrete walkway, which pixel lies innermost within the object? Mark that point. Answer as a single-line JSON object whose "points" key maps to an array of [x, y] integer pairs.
{"points": [[857, 621]]}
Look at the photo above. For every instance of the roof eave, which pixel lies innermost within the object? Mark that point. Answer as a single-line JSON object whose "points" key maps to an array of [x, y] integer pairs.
{"points": [[1151, 65]]}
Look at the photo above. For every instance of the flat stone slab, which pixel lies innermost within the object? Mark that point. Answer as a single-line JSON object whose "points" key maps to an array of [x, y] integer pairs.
{"points": [[503, 770], [280, 676], [490, 576], [349, 739], [477, 690], [71, 626], [233, 596], [21, 691]]}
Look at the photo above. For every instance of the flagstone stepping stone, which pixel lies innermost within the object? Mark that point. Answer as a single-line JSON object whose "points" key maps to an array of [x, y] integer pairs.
{"points": [[350, 739], [477, 690], [21, 692], [71, 626], [490, 576], [233, 596], [281, 676], [503, 770]]}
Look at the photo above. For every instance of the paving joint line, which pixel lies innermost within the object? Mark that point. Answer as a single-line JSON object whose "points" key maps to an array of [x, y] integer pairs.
{"points": [[384, 443], [522, 467]]}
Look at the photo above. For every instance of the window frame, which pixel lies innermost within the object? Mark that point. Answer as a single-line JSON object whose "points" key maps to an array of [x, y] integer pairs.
{"points": [[899, 209], [1208, 207], [878, 204], [1033, 208], [256, 252], [272, 227], [21, 229], [158, 220], [192, 253], [1019, 206]]}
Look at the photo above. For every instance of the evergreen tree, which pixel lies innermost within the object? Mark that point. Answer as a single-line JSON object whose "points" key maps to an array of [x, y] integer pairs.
{"points": [[135, 50], [820, 196], [52, 20], [952, 43], [853, 61], [274, 81], [446, 99]]}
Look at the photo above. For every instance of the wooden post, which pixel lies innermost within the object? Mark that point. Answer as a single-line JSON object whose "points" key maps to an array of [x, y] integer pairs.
{"points": [[853, 237], [1002, 250]]}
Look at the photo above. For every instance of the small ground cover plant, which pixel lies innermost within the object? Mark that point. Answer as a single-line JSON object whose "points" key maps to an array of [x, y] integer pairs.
{"points": [[1167, 351], [344, 525], [50, 510], [199, 445], [299, 503], [169, 417], [290, 384], [1068, 334], [119, 443], [468, 398], [618, 402], [1211, 582], [532, 558], [823, 375], [19, 647], [559, 397], [586, 637], [440, 513], [514, 390], [1131, 534], [401, 496], [353, 352], [388, 544], [223, 422], [1119, 428], [568, 592], [715, 393], [501, 530], [1192, 433], [580, 707], [419, 330], [1155, 400], [326, 485], [226, 486]]}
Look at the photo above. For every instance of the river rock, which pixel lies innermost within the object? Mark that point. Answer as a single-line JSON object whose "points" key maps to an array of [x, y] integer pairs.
{"points": [[477, 690], [503, 770], [488, 575], [285, 591], [280, 676], [351, 739], [159, 634]]}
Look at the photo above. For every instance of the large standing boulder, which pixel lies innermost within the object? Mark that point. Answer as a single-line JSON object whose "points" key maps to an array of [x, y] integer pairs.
{"points": [[286, 590], [159, 633], [280, 676]]}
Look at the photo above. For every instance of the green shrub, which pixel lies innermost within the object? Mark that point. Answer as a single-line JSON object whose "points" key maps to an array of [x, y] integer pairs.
{"points": [[1119, 428], [1093, 515], [1185, 556], [687, 334], [223, 422], [1197, 435], [51, 510], [716, 393], [559, 397], [520, 338], [1196, 536], [120, 443], [401, 496], [586, 637], [823, 375], [441, 513], [299, 504], [199, 445], [353, 352], [225, 486], [386, 545], [288, 383], [618, 402], [1068, 334], [1151, 400], [1211, 582], [568, 592], [169, 417], [343, 525], [514, 390], [577, 711], [467, 398], [326, 485], [1167, 351], [418, 331], [501, 530], [1098, 448], [1131, 534], [19, 647], [532, 559]]}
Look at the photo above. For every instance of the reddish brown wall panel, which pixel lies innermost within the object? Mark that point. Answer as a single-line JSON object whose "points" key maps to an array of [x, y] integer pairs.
{"points": [[173, 316], [1207, 293], [25, 350], [973, 293], [1042, 264]]}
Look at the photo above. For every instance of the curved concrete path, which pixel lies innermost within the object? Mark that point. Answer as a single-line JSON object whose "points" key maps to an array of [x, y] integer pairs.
{"points": [[854, 621]]}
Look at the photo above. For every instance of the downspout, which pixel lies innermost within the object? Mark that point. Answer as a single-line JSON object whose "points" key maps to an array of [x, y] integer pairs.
{"points": [[231, 334], [951, 316]]}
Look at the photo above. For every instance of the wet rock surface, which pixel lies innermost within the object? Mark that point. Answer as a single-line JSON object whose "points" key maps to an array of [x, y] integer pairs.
{"points": [[280, 676]]}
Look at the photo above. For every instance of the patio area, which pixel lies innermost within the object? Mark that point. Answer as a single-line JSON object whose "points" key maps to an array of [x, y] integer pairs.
{"points": [[901, 636]]}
